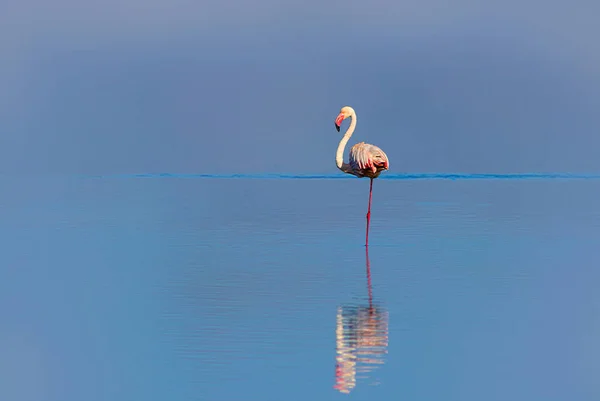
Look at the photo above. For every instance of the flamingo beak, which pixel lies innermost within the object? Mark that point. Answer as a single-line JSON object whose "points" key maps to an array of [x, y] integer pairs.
{"points": [[338, 121]]}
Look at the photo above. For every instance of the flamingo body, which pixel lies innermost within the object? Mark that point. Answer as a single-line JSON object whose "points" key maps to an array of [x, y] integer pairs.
{"points": [[367, 160]]}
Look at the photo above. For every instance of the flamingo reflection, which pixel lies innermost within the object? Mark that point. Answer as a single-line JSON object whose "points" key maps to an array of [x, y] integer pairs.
{"points": [[361, 339]]}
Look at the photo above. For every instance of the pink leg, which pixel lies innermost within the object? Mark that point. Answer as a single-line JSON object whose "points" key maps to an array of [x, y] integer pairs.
{"points": [[369, 211]]}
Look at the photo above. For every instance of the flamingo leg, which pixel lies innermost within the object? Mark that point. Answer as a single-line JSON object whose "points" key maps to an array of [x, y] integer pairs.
{"points": [[369, 211]]}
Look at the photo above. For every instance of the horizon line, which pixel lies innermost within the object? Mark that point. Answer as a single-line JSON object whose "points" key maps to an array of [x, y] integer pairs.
{"points": [[396, 176]]}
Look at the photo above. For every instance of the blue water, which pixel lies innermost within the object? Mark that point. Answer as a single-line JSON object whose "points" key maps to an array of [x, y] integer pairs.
{"points": [[135, 287]]}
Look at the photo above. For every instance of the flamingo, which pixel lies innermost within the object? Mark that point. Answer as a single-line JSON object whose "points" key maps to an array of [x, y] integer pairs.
{"points": [[366, 160]]}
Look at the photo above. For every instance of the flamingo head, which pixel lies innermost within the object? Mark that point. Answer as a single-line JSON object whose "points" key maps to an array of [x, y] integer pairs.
{"points": [[345, 112]]}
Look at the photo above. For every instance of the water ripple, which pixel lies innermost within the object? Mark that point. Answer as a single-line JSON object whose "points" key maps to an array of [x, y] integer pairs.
{"points": [[398, 176]]}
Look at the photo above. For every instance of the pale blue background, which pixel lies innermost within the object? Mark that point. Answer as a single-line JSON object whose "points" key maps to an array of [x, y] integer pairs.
{"points": [[253, 86]]}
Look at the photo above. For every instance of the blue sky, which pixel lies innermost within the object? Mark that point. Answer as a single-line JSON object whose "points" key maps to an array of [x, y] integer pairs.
{"points": [[132, 86]]}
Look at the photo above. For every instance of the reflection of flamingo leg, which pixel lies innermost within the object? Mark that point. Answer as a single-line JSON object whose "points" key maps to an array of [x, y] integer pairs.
{"points": [[369, 280]]}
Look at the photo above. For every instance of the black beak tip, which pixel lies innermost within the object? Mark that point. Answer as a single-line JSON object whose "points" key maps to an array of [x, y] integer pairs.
{"points": [[337, 127]]}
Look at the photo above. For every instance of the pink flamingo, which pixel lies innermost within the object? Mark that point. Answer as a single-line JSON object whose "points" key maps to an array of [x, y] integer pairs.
{"points": [[366, 160]]}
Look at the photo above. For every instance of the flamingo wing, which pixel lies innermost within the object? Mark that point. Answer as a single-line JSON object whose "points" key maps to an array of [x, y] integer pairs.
{"points": [[365, 156]]}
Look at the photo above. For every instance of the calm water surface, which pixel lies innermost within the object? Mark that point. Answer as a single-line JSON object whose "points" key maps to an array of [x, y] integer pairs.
{"points": [[215, 289]]}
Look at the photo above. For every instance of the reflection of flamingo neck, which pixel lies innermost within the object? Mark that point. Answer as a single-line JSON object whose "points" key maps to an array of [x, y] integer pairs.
{"points": [[369, 280]]}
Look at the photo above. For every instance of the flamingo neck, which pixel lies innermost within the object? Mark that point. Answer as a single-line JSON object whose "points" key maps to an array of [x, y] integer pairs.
{"points": [[339, 155]]}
